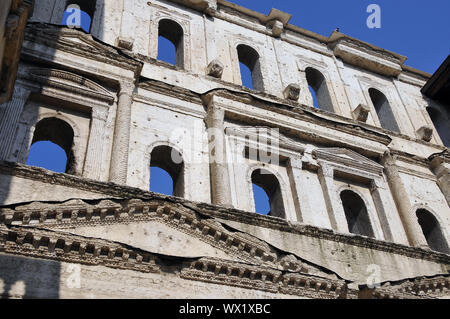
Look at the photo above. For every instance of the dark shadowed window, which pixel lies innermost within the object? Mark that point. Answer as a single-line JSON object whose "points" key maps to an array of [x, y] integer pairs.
{"points": [[384, 111], [432, 231], [319, 90], [441, 123], [250, 66], [356, 214], [170, 43]]}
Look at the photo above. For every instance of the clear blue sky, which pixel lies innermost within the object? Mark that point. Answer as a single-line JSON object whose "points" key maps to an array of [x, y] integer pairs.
{"points": [[417, 29]]}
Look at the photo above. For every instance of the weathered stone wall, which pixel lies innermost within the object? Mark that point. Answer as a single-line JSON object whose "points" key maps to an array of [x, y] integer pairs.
{"points": [[122, 103]]}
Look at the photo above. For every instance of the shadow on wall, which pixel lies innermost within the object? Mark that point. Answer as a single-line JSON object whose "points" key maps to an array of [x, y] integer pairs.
{"points": [[19, 118], [25, 277], [29, 278]]}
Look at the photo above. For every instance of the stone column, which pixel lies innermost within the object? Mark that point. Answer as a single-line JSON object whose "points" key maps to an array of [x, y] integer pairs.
{"points": [[220, 178], [413, 230], [441, 168], [299, 189], [9, 118], [332, 200], [94, 154], [119, 157]]}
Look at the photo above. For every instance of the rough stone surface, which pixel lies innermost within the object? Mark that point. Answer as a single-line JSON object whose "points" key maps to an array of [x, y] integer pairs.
{"points": [[96, 227]]}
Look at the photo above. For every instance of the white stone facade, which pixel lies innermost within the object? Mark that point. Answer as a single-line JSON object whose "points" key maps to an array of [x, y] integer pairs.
{"points": [[122, 104]]}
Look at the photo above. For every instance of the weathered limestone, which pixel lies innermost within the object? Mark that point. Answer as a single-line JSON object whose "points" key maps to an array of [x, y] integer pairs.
{"points": [[9, 118], [220, 180], [441, 167], [292, 92], [129, 112], [425, 133], [298, 185], [361, 113], [405, 209], [335, 210], [215, 69]]}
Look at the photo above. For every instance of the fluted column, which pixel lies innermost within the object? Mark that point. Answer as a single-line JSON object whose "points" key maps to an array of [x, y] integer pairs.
{"points": [[220, 178], [94, 155], [413, 230], [9, 118], [119, 157], [335, 210]]}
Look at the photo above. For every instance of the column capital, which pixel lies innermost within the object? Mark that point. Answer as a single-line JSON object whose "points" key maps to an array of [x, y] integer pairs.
{"points": [[126, 87], [326, 170]]}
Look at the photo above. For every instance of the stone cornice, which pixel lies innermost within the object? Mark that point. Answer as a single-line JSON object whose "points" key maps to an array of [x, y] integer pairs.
{"points": [[256, 17], [69, 82], [414, 288], [77, 42], [113, 190], [62, 247]]}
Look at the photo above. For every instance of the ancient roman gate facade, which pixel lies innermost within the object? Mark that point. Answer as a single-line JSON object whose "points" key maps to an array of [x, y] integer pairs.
{"points": [[358, 186]]}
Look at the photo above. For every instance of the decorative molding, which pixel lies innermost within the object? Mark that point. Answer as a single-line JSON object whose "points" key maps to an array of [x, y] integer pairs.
{"points": [[78, 43], [346, 160], [113, 190], [70, 82]]}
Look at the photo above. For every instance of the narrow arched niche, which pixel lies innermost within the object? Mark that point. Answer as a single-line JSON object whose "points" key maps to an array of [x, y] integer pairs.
{"points": [[432, 231], [171, 161], [319, 90], [384, 110], [58, 132], [249, 57], [173, 32], [356, 214], [270, 184]]}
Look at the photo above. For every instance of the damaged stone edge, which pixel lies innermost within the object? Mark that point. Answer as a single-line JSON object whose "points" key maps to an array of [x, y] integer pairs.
{"points": [[61, 247], [113, 190]]}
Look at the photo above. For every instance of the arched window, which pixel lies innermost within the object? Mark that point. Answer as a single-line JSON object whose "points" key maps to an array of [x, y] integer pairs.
{"points": [[384, 111], [441, 124], [356, 214], [170, 43], [52, 146], [250, 66], [79, 13], [432, 231], [319, 90], [266, 185], [167, 171]]}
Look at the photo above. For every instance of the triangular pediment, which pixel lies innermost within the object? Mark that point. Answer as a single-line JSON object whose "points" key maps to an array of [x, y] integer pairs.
{"points": [[70, 82], [265, 135], [348, 158]]}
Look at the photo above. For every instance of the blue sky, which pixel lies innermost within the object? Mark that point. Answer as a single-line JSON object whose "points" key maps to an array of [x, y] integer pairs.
{"points": [[417, 29]]}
